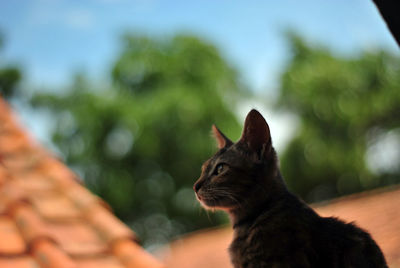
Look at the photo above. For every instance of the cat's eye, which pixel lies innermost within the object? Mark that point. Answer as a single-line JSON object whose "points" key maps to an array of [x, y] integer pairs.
{"points": [[219, 168]]}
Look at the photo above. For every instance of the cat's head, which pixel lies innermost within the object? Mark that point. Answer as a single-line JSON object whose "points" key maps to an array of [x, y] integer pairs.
{"points": [[240, 170]]}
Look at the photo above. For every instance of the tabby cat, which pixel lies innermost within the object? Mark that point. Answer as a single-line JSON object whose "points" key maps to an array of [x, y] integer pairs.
{"points": [[272, 227]]}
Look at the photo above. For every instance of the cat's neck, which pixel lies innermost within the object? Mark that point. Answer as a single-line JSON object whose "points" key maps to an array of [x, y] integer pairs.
{"points": [[263, 200]]}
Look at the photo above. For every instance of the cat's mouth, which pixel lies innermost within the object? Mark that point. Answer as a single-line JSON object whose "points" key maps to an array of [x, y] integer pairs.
{"points": [[213, 202], [198, 196], [205, 202]]}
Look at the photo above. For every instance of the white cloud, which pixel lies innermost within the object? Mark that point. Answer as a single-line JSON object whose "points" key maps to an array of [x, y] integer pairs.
{"points": [[45, 12], [79, 19]]}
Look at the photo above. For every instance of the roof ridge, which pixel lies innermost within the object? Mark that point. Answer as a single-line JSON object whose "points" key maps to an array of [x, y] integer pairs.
{"points": [[354, 196]]}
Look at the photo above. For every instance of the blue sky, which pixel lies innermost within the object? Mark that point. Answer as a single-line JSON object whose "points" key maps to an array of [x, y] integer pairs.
{"points": [[52, 39]]}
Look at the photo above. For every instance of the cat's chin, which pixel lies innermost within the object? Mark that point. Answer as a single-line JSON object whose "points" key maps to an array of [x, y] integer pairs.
{"points": [[212, 206], [204, 203]]}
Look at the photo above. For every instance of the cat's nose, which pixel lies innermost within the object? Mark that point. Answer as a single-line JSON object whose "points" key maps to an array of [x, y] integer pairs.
{"points": [[197, 186]]}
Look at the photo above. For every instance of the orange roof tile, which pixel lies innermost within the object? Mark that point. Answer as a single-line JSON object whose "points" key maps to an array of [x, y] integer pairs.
{"points": [[375, 211], [48, 218]]}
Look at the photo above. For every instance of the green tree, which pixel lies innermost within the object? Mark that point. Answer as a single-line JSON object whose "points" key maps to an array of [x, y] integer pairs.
{"points": [[140, 144], [9, 78], [344, 105]]}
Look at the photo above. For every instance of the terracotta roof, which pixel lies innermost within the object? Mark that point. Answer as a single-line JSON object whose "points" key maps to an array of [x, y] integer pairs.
{"points": [[48, 218], [376, 211]]}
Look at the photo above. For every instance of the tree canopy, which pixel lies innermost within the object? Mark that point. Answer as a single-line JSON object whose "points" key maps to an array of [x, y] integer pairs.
{"points": [[140, 143], [9, 77], [345, 105]]}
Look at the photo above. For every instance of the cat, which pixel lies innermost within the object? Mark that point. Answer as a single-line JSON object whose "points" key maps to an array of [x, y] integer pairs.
{"points": [[273, 227]]}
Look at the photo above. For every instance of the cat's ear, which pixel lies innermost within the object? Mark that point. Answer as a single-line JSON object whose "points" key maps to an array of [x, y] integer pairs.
{"points": [[256, 133], [222, 140]]}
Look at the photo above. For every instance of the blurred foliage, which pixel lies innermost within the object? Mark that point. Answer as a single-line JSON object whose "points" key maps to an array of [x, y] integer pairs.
{"points": [[140, 144], [9, 77], [345, 106]]}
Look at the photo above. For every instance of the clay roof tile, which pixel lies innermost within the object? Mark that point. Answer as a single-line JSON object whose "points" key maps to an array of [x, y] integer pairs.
{"points": [[48, 255], [23, 261], [48, 218], [11, 242]]}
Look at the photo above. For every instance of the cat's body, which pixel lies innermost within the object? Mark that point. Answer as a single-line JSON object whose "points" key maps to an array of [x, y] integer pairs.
{"points": [[293, 235], [272, 227]]}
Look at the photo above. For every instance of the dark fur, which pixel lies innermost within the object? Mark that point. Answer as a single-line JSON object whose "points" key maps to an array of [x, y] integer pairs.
{"points": [[272, 227]]}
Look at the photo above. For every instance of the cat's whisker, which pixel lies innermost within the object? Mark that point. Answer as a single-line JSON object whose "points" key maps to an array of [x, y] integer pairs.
{"points": [[224, 192], [208, 215]]}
